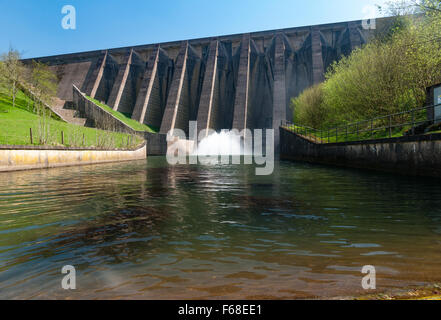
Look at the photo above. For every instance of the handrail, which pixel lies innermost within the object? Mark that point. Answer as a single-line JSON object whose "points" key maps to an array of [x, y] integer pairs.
{"points": [[370, 126]]}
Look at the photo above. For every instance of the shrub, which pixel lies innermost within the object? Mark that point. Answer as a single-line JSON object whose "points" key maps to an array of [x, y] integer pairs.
{"points": [[309, 108], [383, 77]]}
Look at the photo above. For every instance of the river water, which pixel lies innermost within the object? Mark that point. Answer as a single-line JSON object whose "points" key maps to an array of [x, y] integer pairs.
{"points": [[147, 230]]}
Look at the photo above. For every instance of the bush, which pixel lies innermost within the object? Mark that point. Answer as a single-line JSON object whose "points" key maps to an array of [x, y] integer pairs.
{"points": [[309, 108], [384, 77]]}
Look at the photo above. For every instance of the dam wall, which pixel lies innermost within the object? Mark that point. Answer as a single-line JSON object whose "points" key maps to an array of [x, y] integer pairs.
{"points": [[224, 82]]}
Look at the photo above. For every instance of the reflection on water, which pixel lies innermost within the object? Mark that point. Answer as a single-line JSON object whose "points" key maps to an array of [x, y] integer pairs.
{"points": [[153, 231]]}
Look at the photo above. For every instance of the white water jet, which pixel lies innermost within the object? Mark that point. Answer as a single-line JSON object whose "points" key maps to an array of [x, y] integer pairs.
{"points": [[221, 143]]}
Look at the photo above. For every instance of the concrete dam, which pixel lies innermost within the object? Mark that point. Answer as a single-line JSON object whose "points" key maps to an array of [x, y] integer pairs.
{"points": [[225, 82]]}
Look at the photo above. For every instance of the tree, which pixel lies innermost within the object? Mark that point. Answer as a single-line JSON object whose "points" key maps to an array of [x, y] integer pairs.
{"points": [[309, 109], [399, 8], [406, 7], [384, 77], [43, 85], [12, 72], [430, 6]]}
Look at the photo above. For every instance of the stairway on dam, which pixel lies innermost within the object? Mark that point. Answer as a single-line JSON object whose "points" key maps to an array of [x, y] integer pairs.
{"points": [[66, 114]]}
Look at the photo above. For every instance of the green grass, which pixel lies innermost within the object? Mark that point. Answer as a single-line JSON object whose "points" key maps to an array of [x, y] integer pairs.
{"points": [[351, 136], [135, 125], [15, 124]]}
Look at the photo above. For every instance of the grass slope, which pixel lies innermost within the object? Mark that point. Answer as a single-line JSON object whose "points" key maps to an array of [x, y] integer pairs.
{"points": [[120, 116], [15, 124], [376, 134]]}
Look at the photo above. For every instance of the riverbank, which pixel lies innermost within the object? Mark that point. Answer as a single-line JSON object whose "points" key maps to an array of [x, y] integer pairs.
{"points": [[430, 292]]}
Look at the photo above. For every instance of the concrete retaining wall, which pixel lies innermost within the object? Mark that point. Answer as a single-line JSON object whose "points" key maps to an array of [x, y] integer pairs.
{"points": [[412, 155], [156, 144], [101, 119], [25, 158]]}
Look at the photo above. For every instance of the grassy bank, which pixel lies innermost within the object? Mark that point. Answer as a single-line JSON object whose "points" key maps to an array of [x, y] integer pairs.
{"points": [[135, 125], [16, 124], [322, 136]]}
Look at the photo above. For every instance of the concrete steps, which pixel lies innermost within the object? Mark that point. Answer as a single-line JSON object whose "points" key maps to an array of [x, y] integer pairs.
{"points": [[58, 106], [68, 115]]}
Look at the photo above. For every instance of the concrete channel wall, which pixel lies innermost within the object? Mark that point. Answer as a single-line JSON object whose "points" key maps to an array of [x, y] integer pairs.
{"points": [[410, 155], [25, 158], [156, 144]]}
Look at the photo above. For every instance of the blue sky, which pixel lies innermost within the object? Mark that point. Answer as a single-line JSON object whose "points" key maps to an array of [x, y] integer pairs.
{"points": [[34, 26]]}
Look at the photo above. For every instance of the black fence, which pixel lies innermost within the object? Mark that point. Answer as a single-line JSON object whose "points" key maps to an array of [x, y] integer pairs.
{"points": [[409, 122]]}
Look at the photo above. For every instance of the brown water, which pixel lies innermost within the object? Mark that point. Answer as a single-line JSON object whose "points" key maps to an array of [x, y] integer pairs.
{"points": [[148, 230]]}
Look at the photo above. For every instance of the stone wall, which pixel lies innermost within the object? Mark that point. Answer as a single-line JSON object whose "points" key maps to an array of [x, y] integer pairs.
{"points": [[410, 155], [26, 158]]}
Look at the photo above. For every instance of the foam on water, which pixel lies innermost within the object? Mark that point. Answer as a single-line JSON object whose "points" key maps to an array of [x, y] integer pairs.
{"points": [[222, 143]]}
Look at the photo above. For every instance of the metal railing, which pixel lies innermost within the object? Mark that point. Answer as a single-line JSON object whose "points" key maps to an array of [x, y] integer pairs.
{"points": [[381, 127]]}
